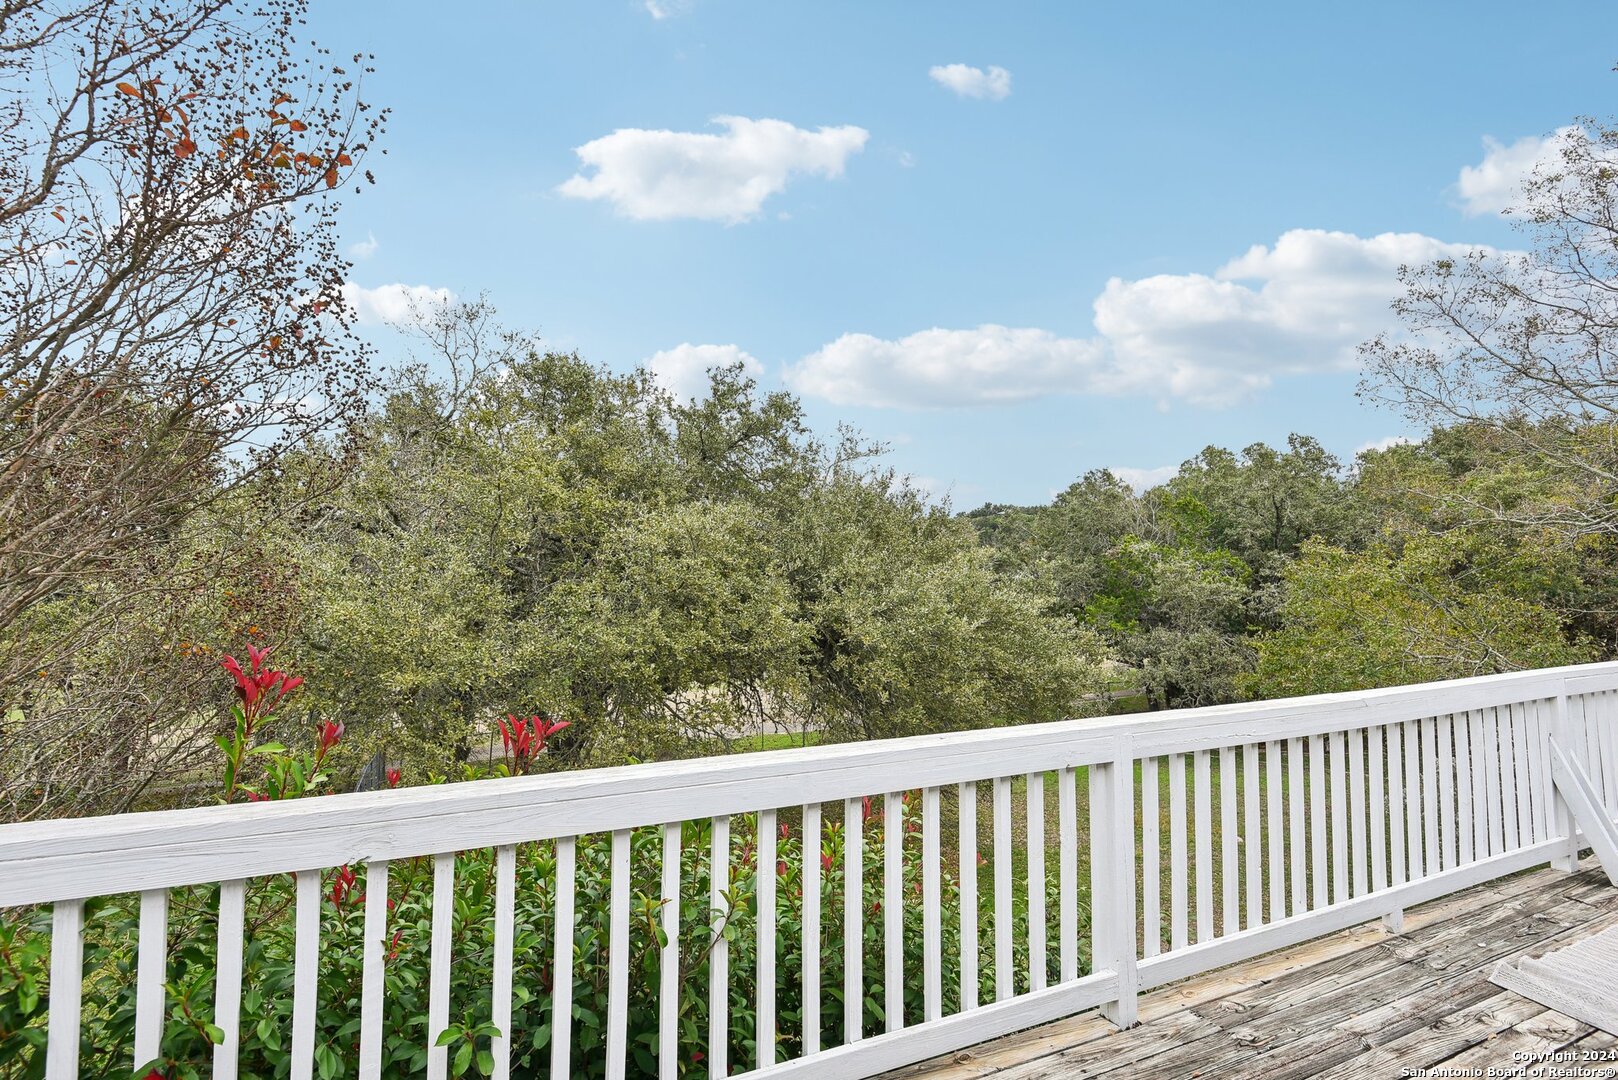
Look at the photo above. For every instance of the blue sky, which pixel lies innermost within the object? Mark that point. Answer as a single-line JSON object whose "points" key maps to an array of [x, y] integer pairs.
{"points": [[1151, 229]]}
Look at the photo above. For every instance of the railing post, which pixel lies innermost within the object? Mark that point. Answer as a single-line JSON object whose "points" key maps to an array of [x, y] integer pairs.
{"points": [[1112, 881], [1565, 857]]}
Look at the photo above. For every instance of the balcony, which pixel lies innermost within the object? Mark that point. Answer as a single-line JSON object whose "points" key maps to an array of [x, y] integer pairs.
{"points": [[957, 888]]}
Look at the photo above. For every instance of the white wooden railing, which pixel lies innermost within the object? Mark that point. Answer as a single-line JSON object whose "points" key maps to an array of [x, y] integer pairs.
{"points": [[1315, 813]]}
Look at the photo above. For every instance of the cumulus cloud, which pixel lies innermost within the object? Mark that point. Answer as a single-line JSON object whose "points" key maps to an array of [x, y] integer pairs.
{"points": [[1386, 443], [1300, 306], [659, 175], [1495, 184], [364, 249], [393, 303], [971, 82], [946, 367], [1144, 479], [683, 370]]}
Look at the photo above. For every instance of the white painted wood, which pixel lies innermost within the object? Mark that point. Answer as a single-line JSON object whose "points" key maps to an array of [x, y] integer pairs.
{"points": [[719, 881], [1520, 768], [1275, 829], [66, 991], [1464, 830], [443, 947], [1004, 949], [811, 928], [227, 994], [1429, 793], [1538, 771], [967, 841], [151, 965], [1338, 798], [1491, 781], [1230, 917], [764, 941], [1589, 813], [887, 1052], [562, 947], [853, 920], [932, 902], [1179, 916], [1446, 792], [41, 862], [618, 955], [668, 1003], [893, 912], [1413, 799], [1378, 809], [1112, 882], [505, 898], [1607, 732], [1477, 728], [1398, 858], [1360, 882], [1317, 822], [1564, 843], [1297, 845], [1252, 837], [1038, 956], [1508, 777], [374, 960], [1204, 841], [1151, 870], [306, 979]]}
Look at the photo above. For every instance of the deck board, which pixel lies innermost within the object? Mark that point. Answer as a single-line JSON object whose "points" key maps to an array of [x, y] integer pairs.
{"points": [[1363, 1003]]}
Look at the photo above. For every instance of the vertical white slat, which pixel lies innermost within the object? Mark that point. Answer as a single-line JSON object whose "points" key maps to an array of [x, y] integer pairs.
{"points": [[1338, 794], [932, 903], [1537, 770], [1378, 810], [306, 980], [1413, 801], [227, 998], [1477, 727], [718, 956], [1230, 916], [1446, 792], [1592, 712], [1275, 829], [967, 839], [1398, 861], [1565, 850], [562, 950], [151, 965], [1317, 822], [1004, 954], [1429, 794], [1463, 788], [1038, 956], [1297, 845], [1356, 813], [505, 899], [438, 976], [764, 945], [1112, 877], [1151, 871], [1202, 780], [668, 996], [1252, 836], [374, 961], [1067, 822], [1524, 785], [853, 920], [893, 912], [1491, 781], [67, 990], [618, 955], [811, 929], [1608, 739], [1179, 904]]}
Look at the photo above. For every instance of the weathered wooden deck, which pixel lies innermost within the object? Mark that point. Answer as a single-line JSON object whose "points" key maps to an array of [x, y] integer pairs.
{"points": [[1363, 1003]]}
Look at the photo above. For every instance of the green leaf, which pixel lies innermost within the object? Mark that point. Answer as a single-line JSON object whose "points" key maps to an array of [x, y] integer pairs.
{"points": [[463, 1058]]}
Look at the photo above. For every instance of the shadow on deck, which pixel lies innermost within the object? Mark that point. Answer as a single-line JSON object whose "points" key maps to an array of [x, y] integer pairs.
{"points": [[1361, 1003]]}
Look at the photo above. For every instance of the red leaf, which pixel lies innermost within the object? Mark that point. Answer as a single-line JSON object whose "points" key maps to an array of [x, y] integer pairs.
{"points": [[126, 88], [299, 125], [331, 177], [185, 148]]}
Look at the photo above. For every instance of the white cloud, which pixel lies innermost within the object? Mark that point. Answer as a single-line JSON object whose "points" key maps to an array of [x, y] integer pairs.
{"points": [[1386, 443], [661, 175], [1144, 479], [1495, 184], [946, 367], [1300, 306], [667, 9], [683, 370], [364, 249], [393, 303], [967, 81]]}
